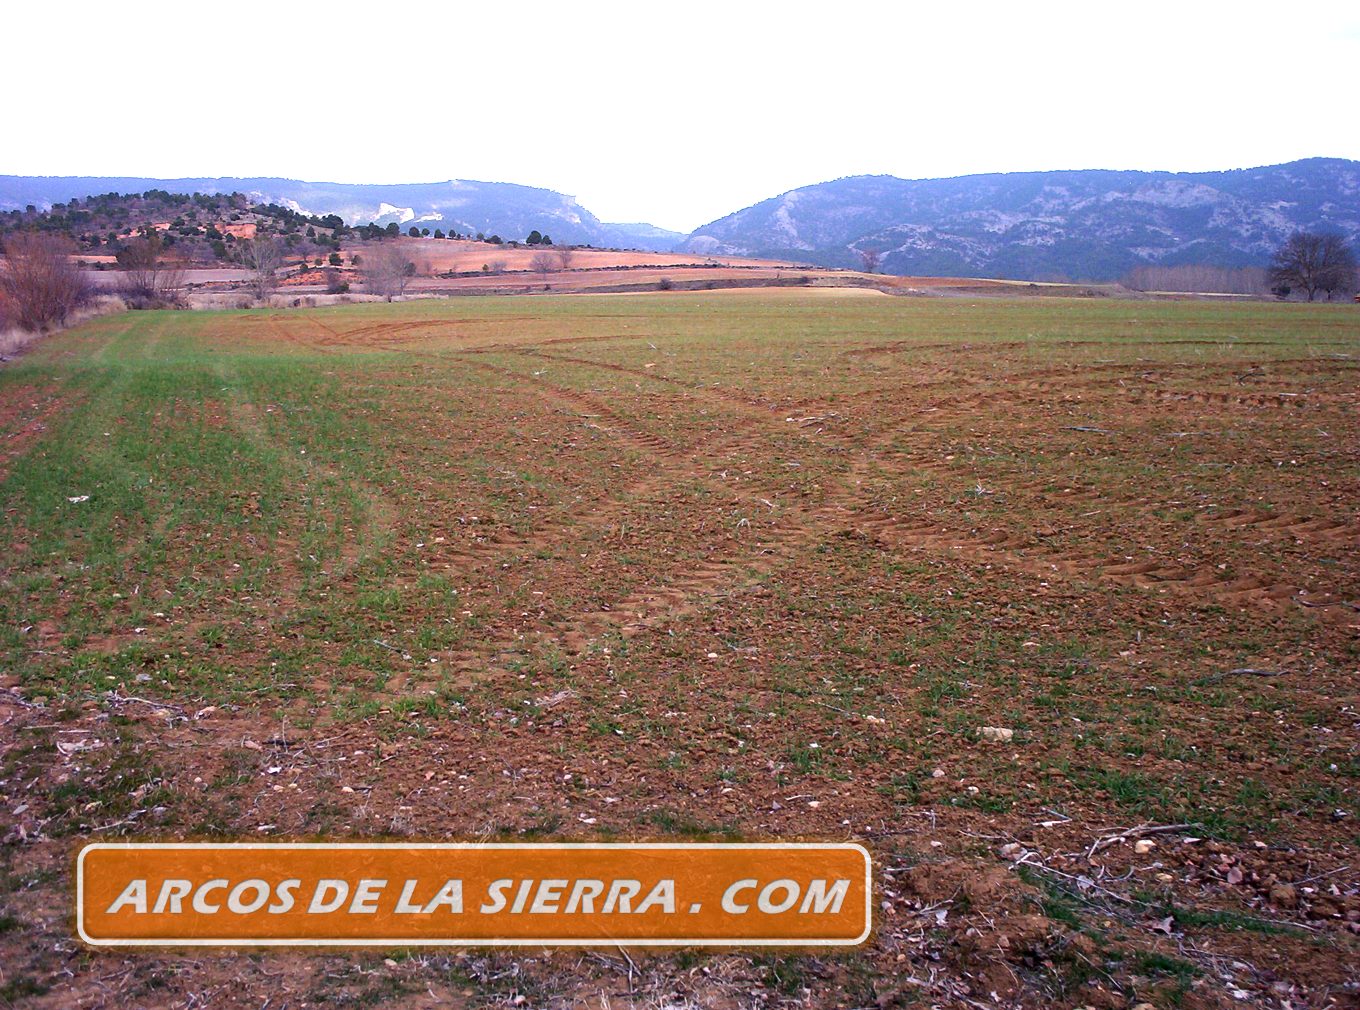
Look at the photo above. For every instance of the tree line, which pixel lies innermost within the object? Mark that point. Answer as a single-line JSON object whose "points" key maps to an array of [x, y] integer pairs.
{"points": [[1307, 265]]}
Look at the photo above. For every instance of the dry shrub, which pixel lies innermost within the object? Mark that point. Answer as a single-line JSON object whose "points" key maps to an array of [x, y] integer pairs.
{"points": [[261, 257], [148, 282], [12, 340], [386, 271], [335, 282], [39, 285]]}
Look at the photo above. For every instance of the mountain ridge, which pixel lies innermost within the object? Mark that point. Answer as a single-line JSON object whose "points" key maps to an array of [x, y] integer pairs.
{"points": [[467, 206], [1065, 224], [1087, 224]]}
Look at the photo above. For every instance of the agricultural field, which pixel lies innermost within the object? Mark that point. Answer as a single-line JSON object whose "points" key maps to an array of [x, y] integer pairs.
{"points": [[1052, 603]]}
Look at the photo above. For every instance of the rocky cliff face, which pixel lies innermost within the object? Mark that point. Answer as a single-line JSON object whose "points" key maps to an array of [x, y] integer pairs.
{"points": [[1085, 225]]}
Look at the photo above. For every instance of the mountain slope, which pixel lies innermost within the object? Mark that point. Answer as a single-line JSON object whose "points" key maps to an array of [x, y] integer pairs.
{"points": [[466, 207], [1088, 225]]}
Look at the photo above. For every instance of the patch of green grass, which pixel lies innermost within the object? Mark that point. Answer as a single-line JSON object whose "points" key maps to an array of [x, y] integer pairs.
{"points": [[130, 785], [903, 787], [1128, 789], [806, 759], [1216, 918], [19, 987], [987, 802], [546, 825], [672, 822], [1057, 903], [1158, 965]]}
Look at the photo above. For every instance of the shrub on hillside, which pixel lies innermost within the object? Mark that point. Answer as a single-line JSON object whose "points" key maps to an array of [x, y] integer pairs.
{"points": [[148, 282]]}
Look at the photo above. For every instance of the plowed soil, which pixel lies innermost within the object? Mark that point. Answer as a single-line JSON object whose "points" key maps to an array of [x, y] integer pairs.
{"points": [[738, 566]]}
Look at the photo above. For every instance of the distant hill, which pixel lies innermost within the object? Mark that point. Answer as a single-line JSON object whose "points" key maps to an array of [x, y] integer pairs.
{"points": [[1080, 225], [501, 208]]}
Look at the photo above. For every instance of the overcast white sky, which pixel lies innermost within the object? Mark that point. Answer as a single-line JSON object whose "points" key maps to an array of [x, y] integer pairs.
{"points": [[672, 113]]}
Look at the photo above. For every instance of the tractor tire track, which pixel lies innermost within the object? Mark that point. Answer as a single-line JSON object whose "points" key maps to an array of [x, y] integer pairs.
{"points": [[1024, 551], [737, 565]]}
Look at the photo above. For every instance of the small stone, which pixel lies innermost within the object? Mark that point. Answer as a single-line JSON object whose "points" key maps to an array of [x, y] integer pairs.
{"points": [[997, 734], [1143, 846], [1011, 850], [1284, 896]]}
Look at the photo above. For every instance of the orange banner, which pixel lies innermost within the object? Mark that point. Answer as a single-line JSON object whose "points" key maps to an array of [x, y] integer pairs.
{"points": [[390, 894]]}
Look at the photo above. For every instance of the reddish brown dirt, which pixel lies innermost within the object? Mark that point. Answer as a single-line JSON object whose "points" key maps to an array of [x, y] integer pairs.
{"points": [[24, 415], [445, 256]]}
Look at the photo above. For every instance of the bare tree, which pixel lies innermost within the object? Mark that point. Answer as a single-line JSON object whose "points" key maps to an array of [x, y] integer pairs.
{"points": [[565, 254], [261, 258], [148, 281], [870, 259], [386, 270], [335, 281], [39, 285], [544, 263], [1311, 262]]}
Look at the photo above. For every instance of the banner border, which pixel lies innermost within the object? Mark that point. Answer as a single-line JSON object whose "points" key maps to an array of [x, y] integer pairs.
{"points": [[464, 846]]}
